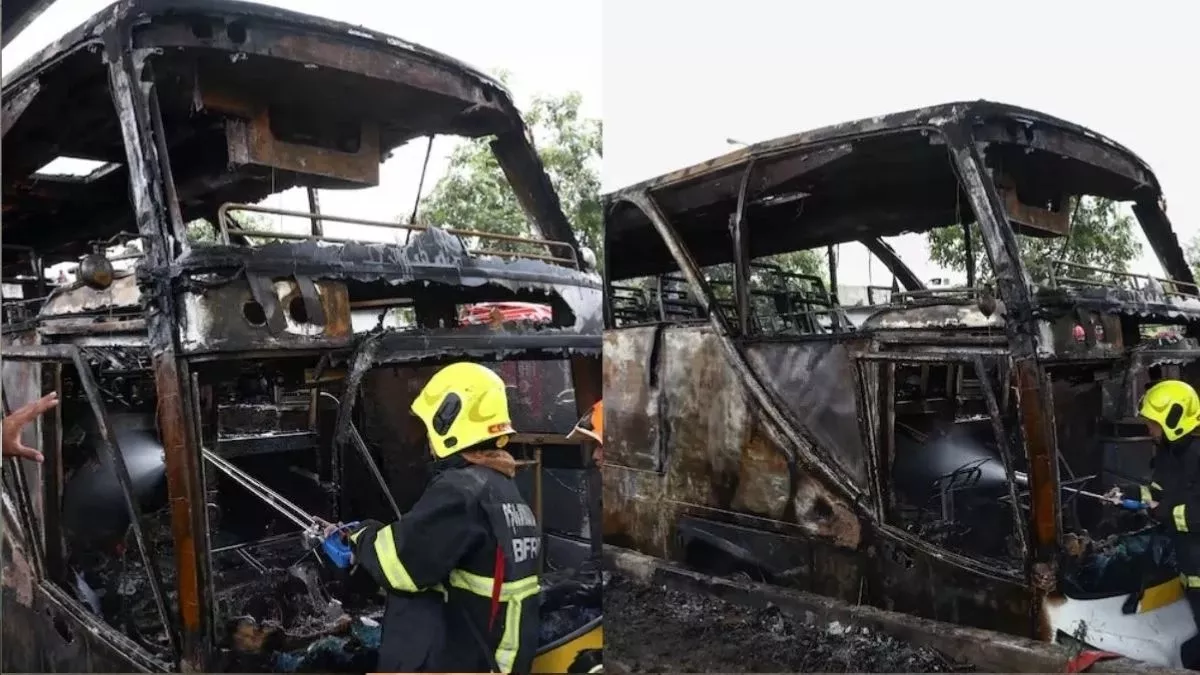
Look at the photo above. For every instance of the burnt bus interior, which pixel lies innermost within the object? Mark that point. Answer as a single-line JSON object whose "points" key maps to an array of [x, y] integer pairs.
{"points": [[292, 355], [906, 405]]}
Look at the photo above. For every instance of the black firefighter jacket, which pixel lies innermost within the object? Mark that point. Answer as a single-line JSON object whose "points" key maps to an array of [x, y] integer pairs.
{"points": [[1175, 485], [472, 538]]}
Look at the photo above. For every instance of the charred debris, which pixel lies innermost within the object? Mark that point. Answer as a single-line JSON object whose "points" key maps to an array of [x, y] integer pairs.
{"points": [[909, 450], [294, 353]]}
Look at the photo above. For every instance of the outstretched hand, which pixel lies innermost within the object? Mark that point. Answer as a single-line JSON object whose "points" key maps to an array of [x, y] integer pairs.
{"points": [[15, 423], [330, 528]]}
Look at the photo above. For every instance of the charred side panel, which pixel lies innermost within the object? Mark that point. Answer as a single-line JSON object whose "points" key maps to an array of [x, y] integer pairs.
{"points": [[634, 512], [815, 381], [718, 461], [48, 637], [918, 581], [632, 395], [265, 314]]}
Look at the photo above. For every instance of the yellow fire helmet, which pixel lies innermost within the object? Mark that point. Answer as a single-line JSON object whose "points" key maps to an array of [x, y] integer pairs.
{"points": [[463, 405], [1174, 405]]}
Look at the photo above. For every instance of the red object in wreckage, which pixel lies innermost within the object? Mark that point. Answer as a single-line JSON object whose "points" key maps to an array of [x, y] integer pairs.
{"points": [[486, 312], [1083, 662]]}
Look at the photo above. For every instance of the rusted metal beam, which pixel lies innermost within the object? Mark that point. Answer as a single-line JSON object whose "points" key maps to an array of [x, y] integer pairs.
{"points": [[154, 223], [314, 207], [1163, 240], [368, 460], [526, 173], [970, 253], [435, 345], [741, 254], [57, 353], [929, 357], [1035, 399], [835, 317], [993, 408], [178, 229], [887, 255], [52, 476]]}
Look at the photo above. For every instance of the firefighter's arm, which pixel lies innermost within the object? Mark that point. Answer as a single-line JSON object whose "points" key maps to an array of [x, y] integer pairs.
{"points": [[1151, 492], [418, 552], [1178, 514]]}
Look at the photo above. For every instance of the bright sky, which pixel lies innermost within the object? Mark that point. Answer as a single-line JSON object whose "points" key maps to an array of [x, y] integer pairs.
{"points": [[547, 47], [682, 77]]}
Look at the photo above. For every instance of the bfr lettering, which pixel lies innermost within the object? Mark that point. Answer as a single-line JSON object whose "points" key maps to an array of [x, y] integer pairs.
{"points": [[525, 548]]}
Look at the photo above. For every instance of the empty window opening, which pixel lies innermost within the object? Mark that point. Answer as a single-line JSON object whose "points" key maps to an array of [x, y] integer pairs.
{"points": [[75, 169], [948, 480]]}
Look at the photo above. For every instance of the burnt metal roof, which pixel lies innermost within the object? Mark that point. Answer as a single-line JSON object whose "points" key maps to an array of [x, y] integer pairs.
{"points": [[224, 53], [146, 10], [932, 116], [876, 177]]}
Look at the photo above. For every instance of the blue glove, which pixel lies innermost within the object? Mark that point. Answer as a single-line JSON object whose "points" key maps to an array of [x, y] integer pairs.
{"points": [[1134, 505], [337, 547]]}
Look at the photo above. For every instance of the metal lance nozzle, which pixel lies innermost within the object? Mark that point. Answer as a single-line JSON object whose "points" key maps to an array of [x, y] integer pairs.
{"points": [[1131, 504]]}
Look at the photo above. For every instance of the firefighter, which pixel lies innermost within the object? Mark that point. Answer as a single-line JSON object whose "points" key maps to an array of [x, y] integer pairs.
{"points": [[591, 425], [16, 422], [470, 538], [1171, 411]]}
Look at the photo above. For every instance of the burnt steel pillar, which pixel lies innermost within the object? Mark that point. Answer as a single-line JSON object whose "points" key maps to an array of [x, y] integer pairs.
{"points": [[133, 95], [1035, 402]]}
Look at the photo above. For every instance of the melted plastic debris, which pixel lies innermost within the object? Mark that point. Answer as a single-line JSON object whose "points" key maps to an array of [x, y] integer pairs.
{"points": [[356, 651], [1118, 564]]}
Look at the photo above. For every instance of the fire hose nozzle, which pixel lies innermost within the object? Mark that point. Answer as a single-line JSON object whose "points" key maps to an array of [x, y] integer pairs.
{"points": [[1131, 504]]}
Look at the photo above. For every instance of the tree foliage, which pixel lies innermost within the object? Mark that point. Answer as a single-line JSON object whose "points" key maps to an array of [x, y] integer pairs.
{"points": [[1192, 252], [1100, 236], [475, 194], [811, 262]]}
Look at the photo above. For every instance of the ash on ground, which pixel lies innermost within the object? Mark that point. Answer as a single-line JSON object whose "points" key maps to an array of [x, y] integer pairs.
{"points": [[655, 630]]}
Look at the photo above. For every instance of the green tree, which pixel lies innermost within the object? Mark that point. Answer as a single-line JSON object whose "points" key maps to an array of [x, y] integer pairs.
{"points": [[1100, 236], [812, 262], [475, 195]]}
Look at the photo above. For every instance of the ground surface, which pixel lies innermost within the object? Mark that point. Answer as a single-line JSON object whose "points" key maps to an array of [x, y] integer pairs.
{"points": [[652, 629]]}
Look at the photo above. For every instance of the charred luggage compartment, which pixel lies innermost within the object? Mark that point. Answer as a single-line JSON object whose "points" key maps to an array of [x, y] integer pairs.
{"points": [[196, 355], [922, 449]]}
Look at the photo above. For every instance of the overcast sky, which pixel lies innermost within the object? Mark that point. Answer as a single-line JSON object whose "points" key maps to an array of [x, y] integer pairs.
{"points": [[681, 77], [548, 47]]}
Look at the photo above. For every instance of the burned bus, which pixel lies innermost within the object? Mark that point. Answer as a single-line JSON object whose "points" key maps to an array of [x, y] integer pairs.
{"points": [[922, 451], [209, 367]]}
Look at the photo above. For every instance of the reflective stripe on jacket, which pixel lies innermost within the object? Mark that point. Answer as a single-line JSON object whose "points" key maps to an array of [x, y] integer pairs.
{"points": [[470, 522], [1175, 485]]}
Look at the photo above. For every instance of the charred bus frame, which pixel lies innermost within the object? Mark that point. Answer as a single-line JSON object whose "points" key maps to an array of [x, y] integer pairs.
{"points": [[196, 106], [732, 440]]}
